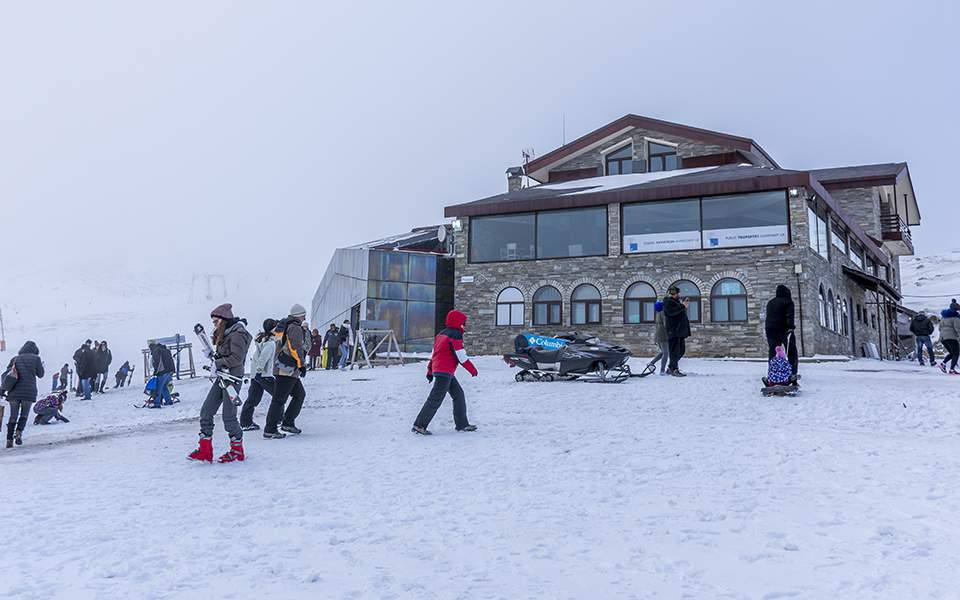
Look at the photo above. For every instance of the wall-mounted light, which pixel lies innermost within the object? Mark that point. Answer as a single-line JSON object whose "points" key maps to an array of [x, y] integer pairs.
{"points": [[457, 225], [794, 192]]}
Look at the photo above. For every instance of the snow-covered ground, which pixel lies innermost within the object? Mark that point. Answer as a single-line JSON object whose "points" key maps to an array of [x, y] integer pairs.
{"points": [[929, 282], [656, 488]]}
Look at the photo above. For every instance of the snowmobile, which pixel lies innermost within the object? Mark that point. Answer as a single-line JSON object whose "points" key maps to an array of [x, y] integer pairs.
{"points": [[568, 357]]}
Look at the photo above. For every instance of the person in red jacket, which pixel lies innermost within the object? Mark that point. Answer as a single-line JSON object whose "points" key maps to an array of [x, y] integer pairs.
{"points": [[448, 354]]}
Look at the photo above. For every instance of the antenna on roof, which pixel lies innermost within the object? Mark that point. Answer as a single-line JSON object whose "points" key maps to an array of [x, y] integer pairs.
{"points": [[563, 129]]}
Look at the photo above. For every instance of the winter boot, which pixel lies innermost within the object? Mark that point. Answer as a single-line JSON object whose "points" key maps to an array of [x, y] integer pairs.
{"points": [[251, 427], [9, 435], [273, 435], [420, 430], [943, 367], [235, 454], [467, 428], [204, 452], [291, 429], [18, 437]]}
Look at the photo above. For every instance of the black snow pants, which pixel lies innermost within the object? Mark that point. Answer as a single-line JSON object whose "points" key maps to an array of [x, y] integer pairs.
{"points": [[442, 385], [286, 387], [258, 385], [953, 348], [678, 347], [778, 338]]}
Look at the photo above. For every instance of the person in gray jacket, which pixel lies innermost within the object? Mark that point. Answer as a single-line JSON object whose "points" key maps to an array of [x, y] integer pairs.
{"points": [[23, 391], [231, 340], [950, 338], [261, 373]]}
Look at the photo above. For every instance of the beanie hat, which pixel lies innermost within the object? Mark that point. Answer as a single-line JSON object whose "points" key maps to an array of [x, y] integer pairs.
{"points": [[224, 311], [269, 325], [297, 310]]}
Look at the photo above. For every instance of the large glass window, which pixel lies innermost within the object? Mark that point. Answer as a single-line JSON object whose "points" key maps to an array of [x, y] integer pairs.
{"points": [[856, 255], [839, 237], [565, 233], [423, 269], [818, 231], [620, 161], [402, 290], [661, 157], [755, 219], [547, 306], [389, 266], [585, 305], [661, 226], [691, 292], [638, 303], [728, 301], [387, 290], [822, 306], [502, 237], [510, 307]]}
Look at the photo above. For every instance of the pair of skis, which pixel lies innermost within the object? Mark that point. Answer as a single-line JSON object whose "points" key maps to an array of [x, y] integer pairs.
{"points": [[227, 382]]}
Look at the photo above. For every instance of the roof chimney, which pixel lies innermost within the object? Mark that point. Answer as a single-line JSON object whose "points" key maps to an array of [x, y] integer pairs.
{"points": [[514, 178]]}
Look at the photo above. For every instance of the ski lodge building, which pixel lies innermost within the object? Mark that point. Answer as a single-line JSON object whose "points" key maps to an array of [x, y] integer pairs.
{"points": [[639, 204]]}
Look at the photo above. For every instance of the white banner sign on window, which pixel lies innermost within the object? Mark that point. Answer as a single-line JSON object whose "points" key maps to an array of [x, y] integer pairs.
{"points": [[745, 236], [661, 242]]}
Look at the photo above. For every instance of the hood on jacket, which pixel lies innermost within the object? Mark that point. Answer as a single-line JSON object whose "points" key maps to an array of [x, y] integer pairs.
{"points": [[658, 306], [949, 312], [784, 292], [920, 317], [456, 320], [30, 348]]}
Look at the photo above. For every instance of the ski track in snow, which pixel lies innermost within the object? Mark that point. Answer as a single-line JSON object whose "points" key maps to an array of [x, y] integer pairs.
{"points": [[657, 488]]}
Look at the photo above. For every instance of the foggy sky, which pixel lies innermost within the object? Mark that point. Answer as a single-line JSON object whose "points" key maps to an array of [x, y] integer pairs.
{"points": [[262, 135]]}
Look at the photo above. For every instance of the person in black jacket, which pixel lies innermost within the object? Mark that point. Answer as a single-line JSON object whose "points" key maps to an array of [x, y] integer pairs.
{"points": [[332, 341], [779, 324], [104, 358], [922, 328], [86, 369], [23, 393], [76, 366], [163, 368], [678, 328]]}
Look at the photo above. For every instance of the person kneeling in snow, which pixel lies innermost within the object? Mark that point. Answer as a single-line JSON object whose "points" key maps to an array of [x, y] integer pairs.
{"points": [[50, 407], [231, 341], [448, 353], [779, 371]]}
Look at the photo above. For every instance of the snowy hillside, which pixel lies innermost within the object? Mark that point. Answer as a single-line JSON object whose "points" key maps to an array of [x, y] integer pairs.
{"points": [[655, 488], [929, 282], [60, 310]]}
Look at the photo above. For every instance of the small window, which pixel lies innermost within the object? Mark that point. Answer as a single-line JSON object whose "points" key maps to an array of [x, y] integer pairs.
{"points": [[638, 303], [845, 328], [822, 305], [661, 157], [837, 313], [620, 162], [691, 292], [830, 308], [510, 307], [859, 314], [585, 305], [873, 321], [547, 306], [728, 301]]}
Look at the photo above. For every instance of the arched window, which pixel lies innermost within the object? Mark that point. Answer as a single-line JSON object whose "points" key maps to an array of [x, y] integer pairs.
{"points": [[728, 301], [830, 310], [638, 303], [547, 306], [838, 315], [510, 307], [691, 292], [846, 319], [822, 304], [585, 305]]}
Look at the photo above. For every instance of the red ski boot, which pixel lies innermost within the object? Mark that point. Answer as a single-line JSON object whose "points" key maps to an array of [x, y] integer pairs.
{"points": [[204, 452], [235, 453]]}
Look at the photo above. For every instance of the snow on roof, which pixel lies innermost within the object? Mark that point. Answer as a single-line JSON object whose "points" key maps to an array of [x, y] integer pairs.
{"points": [[613, 182]]}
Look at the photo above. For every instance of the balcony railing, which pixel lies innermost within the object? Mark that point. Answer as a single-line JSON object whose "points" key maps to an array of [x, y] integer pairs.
{"points": [[892, 224]]}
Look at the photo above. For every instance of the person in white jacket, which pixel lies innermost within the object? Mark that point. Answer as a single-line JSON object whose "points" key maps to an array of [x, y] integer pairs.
{"points": [[261, 374]]}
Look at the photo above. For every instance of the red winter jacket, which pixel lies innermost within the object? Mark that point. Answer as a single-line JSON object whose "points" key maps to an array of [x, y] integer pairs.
{"points": [[448, 349]]}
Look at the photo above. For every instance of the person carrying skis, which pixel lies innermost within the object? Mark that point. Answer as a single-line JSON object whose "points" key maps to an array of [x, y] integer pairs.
{"points": [[678, 328], [231, 341], [261, 371], [922, 328], [163, 368], [950, 338], [293, 340], [448, 354], [21, 389], [779, 325]]}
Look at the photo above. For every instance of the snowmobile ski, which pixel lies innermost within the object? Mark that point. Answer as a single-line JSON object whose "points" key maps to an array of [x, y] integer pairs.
{"points": [[780, 390]]}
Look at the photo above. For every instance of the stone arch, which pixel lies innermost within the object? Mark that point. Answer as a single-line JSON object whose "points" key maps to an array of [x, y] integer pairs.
{"points": [[739, 276], [637, 279], [666, 281], [600, 287], [527, 296]]}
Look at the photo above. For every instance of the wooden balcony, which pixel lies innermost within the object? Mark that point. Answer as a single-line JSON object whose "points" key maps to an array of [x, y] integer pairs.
{"points": [[896, 235]]}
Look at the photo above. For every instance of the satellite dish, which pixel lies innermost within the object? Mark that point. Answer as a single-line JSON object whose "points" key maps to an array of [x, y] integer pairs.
{"points": [[442, 233]]}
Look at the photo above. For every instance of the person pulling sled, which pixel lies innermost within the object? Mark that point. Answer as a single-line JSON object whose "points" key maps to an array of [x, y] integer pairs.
{"points": [[448, 354], [231, 341]]}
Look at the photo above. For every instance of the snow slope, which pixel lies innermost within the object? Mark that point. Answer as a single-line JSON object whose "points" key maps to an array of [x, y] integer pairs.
{"points": [[929, 282], [656, 488]]}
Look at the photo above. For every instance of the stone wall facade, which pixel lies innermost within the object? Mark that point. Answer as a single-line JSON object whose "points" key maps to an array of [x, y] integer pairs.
{"points": [[760, 269]]}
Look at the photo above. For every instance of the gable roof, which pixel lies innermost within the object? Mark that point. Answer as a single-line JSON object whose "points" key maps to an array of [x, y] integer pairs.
{"points": [[864, 176], [631, 121]]}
